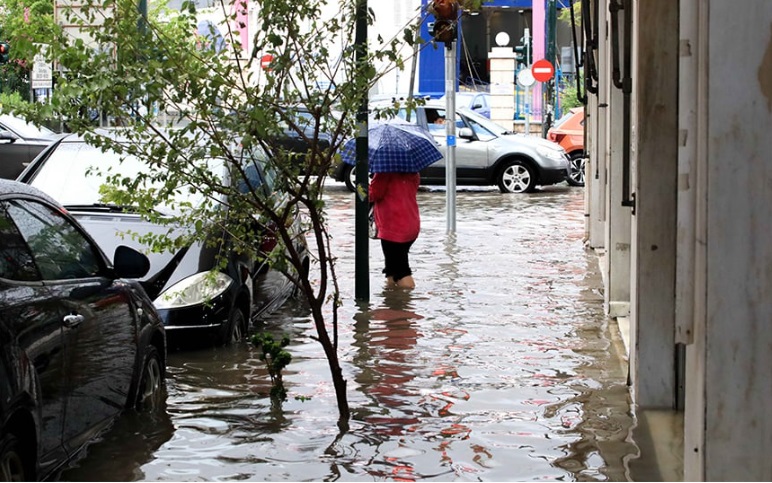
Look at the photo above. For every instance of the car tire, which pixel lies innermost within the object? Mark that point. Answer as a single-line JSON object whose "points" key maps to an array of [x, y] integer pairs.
{"points": [[12, 466], [234, 330], [576, 176], [350, 177], [516, 177], [150, 391]]}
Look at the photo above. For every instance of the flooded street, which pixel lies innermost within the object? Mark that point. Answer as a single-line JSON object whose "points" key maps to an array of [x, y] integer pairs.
{"points": [[500, 366]]}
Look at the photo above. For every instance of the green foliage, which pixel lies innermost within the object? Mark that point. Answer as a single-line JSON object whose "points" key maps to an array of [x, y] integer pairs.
{"points": [[14, 82], [565, 14], [276, 359], [179, 102], [21, 24], [9, 98], [568, 97]]}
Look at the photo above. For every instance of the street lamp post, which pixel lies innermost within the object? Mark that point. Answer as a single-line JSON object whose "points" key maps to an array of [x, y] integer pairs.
{"points": [[362, 203]]}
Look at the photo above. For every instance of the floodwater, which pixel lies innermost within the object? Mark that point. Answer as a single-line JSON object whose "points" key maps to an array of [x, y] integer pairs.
{"points": [[499, 366]]}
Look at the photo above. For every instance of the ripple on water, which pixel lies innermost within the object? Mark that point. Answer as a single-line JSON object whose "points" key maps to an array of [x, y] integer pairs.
{"points": [[498, 367]]}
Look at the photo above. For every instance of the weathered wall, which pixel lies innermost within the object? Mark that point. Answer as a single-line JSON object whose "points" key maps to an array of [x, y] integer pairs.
{"points": [[738, 427]]}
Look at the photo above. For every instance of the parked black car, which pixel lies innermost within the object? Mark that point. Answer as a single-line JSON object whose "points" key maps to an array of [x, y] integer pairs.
{"points": [[20, 142], [79, 343], [194, 296]]}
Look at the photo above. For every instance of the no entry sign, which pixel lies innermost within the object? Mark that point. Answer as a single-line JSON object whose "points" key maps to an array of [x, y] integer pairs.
{"points": [[542, 70], [265, 61]]}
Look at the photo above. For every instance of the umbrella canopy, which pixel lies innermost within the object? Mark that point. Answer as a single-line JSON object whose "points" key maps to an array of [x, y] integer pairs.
{"points": [[395, 147]]}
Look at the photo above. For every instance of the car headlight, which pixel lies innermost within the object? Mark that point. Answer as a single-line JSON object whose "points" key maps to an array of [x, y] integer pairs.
{"points": [[194, 290], [550, 153]]}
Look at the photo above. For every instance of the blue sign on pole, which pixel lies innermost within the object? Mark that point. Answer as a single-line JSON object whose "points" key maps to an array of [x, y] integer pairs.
{"points": [[451, 140]]}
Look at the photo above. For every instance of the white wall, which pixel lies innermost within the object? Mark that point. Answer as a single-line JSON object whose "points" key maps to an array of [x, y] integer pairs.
{"points": [[391, 17]]}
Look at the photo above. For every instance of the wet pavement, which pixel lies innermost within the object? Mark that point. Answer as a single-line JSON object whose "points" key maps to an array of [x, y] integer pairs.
{"points": [[500, 366]]}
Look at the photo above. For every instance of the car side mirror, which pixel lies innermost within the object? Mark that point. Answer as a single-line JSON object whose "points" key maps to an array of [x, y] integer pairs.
{"points": [[6, 135], [477, 106], [130, 263], [465, 133]]}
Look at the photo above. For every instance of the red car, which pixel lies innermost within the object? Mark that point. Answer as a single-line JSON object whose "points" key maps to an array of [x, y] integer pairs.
{"points": [[568, 131]]}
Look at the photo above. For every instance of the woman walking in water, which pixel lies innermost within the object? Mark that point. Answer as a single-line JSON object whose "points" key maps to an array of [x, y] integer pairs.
{"points": [[398, 222]]}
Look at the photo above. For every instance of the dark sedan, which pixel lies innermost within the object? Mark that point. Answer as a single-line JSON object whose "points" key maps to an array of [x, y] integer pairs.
{"points": [[20, 142], [198, 298], [78, 342]]}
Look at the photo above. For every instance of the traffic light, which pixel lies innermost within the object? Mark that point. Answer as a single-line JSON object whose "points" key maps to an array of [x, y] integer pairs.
{"points": [[524, 50], [445, 12], [5, 51]]}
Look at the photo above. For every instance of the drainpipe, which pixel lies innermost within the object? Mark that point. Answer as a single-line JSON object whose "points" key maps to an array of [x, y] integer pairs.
{"points": [[622, 79]]}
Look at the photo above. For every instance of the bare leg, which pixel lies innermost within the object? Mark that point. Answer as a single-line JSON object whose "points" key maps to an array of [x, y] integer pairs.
{"points": [[406, 282]]}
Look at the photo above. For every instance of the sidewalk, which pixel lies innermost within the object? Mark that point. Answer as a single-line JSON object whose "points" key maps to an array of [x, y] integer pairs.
{"points": [[659, 433]]}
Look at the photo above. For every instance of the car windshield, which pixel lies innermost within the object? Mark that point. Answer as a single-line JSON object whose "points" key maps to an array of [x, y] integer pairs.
{"points": [[484, 128], [25, 129], [74, 173], [565, 117], [484, 122]]}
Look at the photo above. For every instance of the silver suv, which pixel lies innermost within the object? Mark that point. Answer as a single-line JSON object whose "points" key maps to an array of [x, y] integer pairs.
{"points": [[486, 154]]}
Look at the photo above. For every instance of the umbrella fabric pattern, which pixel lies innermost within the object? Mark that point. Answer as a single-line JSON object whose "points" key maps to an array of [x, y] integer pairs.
{"points": [[395, 148]]}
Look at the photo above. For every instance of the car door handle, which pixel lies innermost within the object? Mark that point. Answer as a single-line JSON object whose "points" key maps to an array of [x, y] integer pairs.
{"points": [[73, 320]]}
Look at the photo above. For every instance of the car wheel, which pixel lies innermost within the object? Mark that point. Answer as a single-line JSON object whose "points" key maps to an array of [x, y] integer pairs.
{"points": [[517, 177], [11, 463], [235, 329], [576, 176], [151, 386], [350, 177]]}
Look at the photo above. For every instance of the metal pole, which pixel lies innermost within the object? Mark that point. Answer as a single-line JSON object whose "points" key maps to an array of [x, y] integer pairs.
{"points": [[142, 23], [549, 86], [528, 109], [362, 204], [412, 79], [450, 133], [527, 37]]}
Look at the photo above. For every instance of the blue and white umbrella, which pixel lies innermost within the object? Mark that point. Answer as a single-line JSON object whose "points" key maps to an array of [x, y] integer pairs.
{"points": [[395, 147]]}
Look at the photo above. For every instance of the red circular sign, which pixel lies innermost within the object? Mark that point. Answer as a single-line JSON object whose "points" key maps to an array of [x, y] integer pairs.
{"points": [[542, 70], [265, 61]]}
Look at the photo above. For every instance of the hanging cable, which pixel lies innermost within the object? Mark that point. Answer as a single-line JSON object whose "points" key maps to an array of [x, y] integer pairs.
{"points": [[581, 96], [590, 25]]}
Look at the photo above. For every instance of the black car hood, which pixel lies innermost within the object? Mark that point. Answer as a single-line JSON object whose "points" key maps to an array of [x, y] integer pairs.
{"points": [[110, 230]]}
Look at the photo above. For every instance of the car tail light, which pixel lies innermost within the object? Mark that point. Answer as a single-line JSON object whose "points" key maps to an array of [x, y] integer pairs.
{"points": [[556, 137]]}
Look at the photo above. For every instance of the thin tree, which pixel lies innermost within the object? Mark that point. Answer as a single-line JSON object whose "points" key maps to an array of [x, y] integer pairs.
{"points": [[181, 98]]}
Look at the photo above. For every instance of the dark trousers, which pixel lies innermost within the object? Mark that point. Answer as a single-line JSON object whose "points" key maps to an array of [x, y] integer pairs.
{"points": [[396, 257]]}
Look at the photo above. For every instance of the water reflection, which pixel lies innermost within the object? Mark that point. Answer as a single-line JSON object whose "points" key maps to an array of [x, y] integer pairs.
{"points": [[498, 367], [131, 442]]}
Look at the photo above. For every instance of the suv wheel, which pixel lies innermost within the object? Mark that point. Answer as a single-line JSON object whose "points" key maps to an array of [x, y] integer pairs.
{"points": [[350, 177], [576, 176], [516, 177]]}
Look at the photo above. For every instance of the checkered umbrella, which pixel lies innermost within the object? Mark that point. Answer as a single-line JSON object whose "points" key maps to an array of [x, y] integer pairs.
{"points": [[395, 147]]}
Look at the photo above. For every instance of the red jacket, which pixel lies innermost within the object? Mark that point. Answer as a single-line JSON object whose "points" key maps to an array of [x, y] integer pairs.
{"points": [[396, 208]]}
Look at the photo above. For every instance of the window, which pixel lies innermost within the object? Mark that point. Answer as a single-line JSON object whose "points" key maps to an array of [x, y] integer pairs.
{"points": [[16, 261], [482, 133], [59, 249], [257, 171]]}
